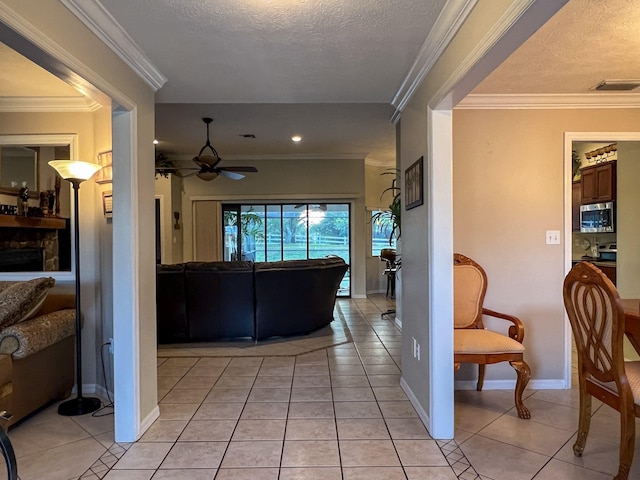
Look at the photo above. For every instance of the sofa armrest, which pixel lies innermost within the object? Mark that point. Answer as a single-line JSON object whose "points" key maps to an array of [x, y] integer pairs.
{"points": [[31, 336]]}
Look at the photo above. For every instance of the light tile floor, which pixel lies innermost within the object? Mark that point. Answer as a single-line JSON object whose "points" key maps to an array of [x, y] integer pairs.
{"points": [[329, 412]]}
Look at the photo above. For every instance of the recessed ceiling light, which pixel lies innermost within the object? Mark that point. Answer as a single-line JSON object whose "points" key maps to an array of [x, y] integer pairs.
{"points": [[616, 85], [155, 141], [296, 138]]}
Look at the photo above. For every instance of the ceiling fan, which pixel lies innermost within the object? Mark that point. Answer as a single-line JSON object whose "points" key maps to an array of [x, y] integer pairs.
{"points": [[208, 168]]}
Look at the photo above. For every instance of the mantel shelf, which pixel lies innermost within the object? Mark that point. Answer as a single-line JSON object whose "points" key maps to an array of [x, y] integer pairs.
{"points": [[50, 223]]}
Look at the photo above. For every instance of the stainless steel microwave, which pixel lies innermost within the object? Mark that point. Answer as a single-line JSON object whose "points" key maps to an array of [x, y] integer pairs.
{"points": [[597, 217]]}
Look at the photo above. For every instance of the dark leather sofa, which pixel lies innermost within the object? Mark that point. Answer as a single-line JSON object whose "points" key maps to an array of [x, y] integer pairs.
{"points": [[204, 301]]}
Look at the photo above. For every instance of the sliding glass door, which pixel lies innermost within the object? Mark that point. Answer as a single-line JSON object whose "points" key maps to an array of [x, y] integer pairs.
{"points": [[272, 232]]}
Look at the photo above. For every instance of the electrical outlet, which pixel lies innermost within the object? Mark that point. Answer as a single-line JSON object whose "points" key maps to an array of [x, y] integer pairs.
{"points": [[417, 353], [553, 237], [415, 349], [111, 346]]}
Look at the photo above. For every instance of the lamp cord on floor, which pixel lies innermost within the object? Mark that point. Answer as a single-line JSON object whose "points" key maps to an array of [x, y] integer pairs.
{"points": [[106, 387]]}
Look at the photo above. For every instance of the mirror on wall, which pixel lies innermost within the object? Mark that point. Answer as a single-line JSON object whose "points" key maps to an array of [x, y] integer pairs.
{"points": [[19, 168], [39, 240]]}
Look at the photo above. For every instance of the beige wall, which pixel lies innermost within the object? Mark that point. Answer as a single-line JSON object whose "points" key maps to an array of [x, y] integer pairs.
{"points": [[508, 190], [628, 220]]}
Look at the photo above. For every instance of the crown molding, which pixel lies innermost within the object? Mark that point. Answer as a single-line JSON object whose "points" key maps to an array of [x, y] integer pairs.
{"points": [[446, 26], [281, 156], [48, 104], [489, 41], [98, 19], [550, 101]]}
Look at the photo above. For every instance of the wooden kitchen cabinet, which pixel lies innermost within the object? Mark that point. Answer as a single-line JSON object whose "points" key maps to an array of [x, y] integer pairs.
{"points": [[576, 201], [598, 183], [610, 272]]}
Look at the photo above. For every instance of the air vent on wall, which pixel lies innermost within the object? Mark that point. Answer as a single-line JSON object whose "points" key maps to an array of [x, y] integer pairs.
{"points": [[617, 85]]}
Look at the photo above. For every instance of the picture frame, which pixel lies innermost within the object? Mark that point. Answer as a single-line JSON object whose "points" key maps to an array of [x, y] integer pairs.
{"points": [[105, 174], [413, 185], [107, 203]]}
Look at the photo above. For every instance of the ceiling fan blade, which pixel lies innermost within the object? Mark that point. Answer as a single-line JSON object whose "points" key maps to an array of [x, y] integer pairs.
{"points": [[231, 175], [190, 174], [239, 169]]}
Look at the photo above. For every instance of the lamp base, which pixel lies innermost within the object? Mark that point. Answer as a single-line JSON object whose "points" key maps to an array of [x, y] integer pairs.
{"points": [[79, 406]]}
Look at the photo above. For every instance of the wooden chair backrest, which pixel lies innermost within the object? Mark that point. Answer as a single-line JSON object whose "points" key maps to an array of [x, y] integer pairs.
{"points": [[469, 289], [597, 320]]}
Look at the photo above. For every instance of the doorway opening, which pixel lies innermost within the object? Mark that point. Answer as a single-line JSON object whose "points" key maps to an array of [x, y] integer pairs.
{"points": [[621, 264]]}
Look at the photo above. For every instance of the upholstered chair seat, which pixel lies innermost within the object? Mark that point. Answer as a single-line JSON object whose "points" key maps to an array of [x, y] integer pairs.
{"points": [[467, 341]]}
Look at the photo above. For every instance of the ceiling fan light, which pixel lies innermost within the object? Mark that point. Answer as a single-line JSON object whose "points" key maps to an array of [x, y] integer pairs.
{"points": [[207, 176]]}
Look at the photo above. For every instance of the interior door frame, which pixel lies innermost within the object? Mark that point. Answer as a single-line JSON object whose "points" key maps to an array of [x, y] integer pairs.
{"points": [[569, 138]]}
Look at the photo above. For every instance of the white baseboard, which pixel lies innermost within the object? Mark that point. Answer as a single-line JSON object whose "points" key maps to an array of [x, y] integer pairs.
{"points": [[398, 322], [358, 296], [539, 384], [416, 404], [86, 388], [373, 292], [148, 420], [103, 393]]}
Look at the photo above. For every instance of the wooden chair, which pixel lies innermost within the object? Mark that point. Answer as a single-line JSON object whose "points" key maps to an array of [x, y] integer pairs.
{"points": [[597, 320], [475, 344]]}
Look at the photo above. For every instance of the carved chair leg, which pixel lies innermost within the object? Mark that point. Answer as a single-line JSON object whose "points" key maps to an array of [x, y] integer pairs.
{"points": [[480, 376], [7, 450], [584, 421], [524, 374], [627, 443]]}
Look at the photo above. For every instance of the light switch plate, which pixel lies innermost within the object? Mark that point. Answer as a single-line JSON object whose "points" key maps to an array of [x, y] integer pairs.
{"points": [[553, 237]]}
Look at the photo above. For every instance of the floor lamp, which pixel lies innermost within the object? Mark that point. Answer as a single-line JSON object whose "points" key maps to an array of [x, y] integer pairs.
{"points": [[77, 172]]}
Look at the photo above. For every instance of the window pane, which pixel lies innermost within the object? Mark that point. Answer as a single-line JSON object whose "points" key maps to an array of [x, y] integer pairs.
{"points": [[274, 233], [294, 223], [381, 227], [252, 226], [230, 218]]}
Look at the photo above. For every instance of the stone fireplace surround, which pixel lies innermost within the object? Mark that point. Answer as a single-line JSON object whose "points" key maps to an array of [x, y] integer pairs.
{"points": [[47, 234]]}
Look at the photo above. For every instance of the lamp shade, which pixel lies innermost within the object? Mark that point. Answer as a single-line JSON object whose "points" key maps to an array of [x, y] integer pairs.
{"points": [[75, 169]]}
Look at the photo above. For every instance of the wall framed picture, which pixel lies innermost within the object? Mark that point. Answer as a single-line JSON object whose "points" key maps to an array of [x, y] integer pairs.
{"points": [[107, 203], [413, 181], [105, 174]]}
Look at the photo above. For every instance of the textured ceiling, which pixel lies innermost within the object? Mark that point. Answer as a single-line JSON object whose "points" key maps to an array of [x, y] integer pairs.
{"points": [[278, 51], [586, 42], [222, 57], [326, 129]]}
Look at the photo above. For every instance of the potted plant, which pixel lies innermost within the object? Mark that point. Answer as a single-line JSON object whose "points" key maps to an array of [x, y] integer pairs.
{"points": [[164, 166], [392, 216]]}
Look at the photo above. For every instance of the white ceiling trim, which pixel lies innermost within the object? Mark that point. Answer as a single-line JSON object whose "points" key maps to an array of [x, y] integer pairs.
{"points": [[282, 156], [97, 19], [446, 26], [48, 104], [550, 101], [497, 39]]}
